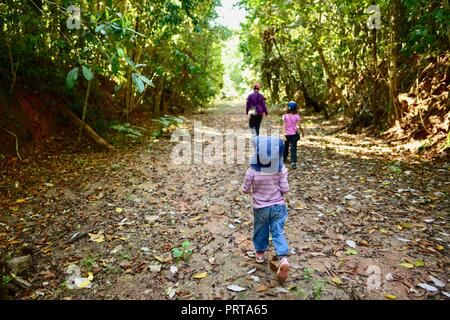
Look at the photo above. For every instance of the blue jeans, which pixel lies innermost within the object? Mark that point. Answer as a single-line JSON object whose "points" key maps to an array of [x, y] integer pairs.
{"points": [[290, 140], [270, 219]]}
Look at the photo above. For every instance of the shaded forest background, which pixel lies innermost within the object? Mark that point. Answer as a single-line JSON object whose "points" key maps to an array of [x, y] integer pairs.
{"points": [[128, 62]]}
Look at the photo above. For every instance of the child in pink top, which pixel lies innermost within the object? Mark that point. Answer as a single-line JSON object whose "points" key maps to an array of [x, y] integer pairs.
{"points": [[291, 131], [267, 180]]}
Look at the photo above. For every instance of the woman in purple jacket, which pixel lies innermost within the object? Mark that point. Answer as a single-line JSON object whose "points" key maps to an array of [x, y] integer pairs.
{"points": [[256, 107]]}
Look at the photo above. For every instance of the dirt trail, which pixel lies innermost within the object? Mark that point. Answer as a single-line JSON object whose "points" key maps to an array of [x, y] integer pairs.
{"points": [[393, 208]]}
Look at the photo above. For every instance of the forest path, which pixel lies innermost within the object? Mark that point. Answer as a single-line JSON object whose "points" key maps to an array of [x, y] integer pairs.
{"points": [[138, 205]]}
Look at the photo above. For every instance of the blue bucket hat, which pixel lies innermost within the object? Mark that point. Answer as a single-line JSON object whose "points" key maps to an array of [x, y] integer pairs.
{"points": [[268, 157]]}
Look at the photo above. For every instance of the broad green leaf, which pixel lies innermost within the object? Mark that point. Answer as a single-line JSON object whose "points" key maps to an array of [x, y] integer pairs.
{"points": [[138, 82], [120, 52], [146, 80], [130, 62], [176, 253], [71, 78], [185, 244], [100, 28], [87, 73]]}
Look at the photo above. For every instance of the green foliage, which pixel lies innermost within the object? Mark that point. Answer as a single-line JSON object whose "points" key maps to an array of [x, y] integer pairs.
{"points": [[445, 144], [6, 279], [318, 289], [307, 273], [168, 120], [282, 42], [116, 166], [182, 253], [87, 73], [429, 21], [140, 81], [72, 77], [157, 54], [81, 162], [88, 263], [125, 256], [395, 169], [128, 130]]}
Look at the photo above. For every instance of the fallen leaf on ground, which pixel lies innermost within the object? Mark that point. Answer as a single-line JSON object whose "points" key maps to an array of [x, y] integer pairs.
{"points": [[171, 292], [200, 275], [161, 259], [251, 271], [363, 243], [419, 263], [282, 290], [195, 219], [407, 265], [427, 287], [351, 244], [151, 218], [155, 268], [336, 280], [235, 288], [351, 251], [437, 282], [300, 205], [350, 197], [261, 288], [99, 237], [292, 287]]}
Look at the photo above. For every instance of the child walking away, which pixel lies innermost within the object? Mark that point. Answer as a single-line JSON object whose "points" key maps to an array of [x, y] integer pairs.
{"points": [[267, 180], [292, 126]]}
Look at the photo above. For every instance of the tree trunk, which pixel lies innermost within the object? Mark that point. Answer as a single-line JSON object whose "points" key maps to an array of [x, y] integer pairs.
{"points": [[89, 131], [394, 52], [160, 96], [374, 103], [330, 76], [128, 93], [83, 119], [309, 101], [374, 49], [447, 6]]}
